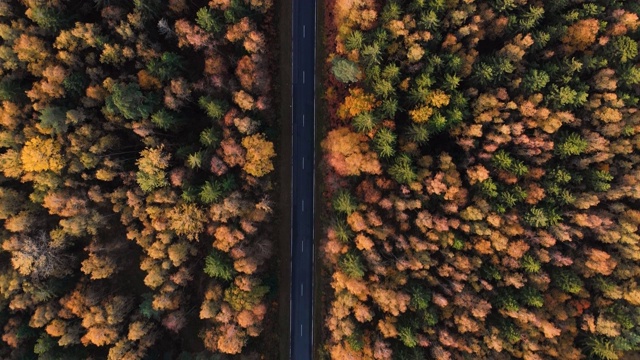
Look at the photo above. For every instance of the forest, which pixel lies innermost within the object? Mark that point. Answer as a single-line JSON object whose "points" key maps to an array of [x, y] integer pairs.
{"points": [[136, 179], [481, 172]]}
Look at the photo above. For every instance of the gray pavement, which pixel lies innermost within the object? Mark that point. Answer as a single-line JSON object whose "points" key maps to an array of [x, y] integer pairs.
{"points": [[302, 178]]}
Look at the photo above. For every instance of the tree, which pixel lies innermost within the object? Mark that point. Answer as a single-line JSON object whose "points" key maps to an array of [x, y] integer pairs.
{"points": [[582, 34], [601, 348], [151, 168], [209, 138], [385, 141], [214, 108], [36, 257], [536, 218], [240, 299], [535, 80], [129, 101], [351, 264], [217, 265], [165, 120], [53, 119], [187, 220], [372, 54], [98, 267], [623, 48], [348, 153], [402, 170], [571, 145], [345, 203], [345, 70], [48, 18], [206, 19], [356, 103], [167, 67], [40, 154], [364, 122], [259, 153], [354, 40], [194, 160], [231, 340], [567, 281]]}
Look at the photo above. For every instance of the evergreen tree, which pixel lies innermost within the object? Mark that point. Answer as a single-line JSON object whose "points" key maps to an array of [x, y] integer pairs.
{"points": [[129, 101], [53, 119], [402, 170], [206, 19], [385, 141], [343, 202], [354, 40], [351, 265], [218, 265], [165, 120]]}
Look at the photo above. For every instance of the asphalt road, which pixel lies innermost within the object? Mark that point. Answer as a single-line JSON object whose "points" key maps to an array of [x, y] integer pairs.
{"points": [[302, 177]]}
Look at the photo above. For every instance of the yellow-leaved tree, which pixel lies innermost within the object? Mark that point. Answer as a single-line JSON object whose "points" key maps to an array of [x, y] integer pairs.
{"points": [[40, 154], [259, 153]]}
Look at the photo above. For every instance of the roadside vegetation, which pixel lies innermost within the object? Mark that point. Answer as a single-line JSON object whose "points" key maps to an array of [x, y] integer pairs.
{"points": [[136, 179], [482, 172]]}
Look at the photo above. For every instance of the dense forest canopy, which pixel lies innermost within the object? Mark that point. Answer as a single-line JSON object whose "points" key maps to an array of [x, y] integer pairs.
{"points": [[135, 179], [482, 168]]}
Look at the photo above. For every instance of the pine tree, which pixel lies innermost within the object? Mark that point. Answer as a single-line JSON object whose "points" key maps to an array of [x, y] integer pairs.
{"points": [[165, 120], [343, 231], [567, 281], [372, 54], [129, 101], [402, 170], [407, 336], [535, 80], [624, 48], [364, 122], [601, 348], [530, 264], [354, 40], [210, 192], [502, 160], [351, 265], [391, 11], [418, 133], [600, 180], [218, 265], [384, 142], [209, 138], [214, 108], [532, 297], [343, 202], [54, 119], [391, 72], [206, 19], [536, 218], [194, 160], [167, 67]]}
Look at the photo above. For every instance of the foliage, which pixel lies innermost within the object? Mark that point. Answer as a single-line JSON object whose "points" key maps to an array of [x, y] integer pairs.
{"points": [[506, 137], [217, 266], [345, 70], [136, 178]]}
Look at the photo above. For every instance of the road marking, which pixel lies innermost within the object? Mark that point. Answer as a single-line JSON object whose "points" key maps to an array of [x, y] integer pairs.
{"points": [[303, 163], [302, 120], [300, 330], [301, 289], [302, 205], [304, 32], [303, 76], [302, 245]]}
